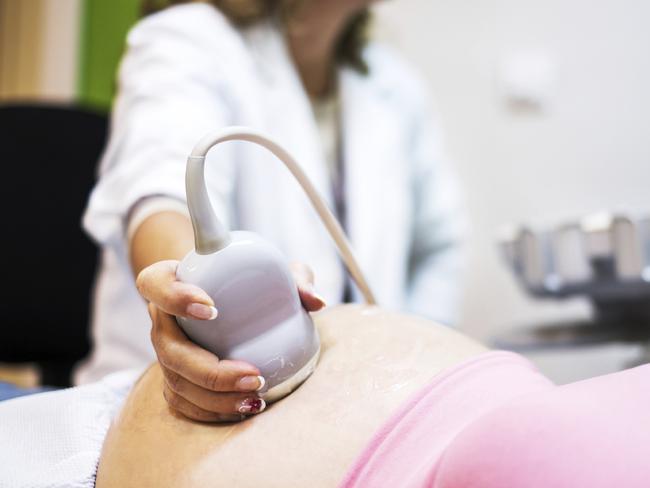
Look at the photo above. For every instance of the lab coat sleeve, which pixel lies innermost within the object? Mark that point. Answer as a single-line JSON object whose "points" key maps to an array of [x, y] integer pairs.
{"points": [[437, 257], [171, 92]]}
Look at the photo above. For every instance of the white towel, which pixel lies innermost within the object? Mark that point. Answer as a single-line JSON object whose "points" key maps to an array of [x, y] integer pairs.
{"points": [[54, 439]]}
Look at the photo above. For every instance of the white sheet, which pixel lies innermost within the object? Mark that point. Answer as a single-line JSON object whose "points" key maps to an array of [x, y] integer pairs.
{"points": [[54, 439]]}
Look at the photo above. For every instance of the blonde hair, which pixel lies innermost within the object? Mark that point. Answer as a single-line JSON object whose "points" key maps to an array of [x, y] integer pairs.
{"points": [[247, 12]]}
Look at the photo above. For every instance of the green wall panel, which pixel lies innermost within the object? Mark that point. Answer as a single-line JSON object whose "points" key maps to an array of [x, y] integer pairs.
{"points": [[104, 26]]}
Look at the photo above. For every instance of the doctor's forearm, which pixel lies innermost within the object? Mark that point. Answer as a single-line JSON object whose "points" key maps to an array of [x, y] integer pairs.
{"points": [[162, 236]]}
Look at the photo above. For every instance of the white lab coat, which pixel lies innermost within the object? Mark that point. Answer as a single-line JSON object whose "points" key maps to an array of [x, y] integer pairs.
{"points": [[188, 71]]}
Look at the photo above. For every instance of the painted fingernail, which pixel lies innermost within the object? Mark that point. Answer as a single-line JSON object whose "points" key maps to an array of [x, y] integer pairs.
{"points": [[309, 288], [201, 311], [318, 297], [252, 406], [251, 383]]}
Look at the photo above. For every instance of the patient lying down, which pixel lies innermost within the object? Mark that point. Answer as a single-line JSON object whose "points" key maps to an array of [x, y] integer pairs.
{"points": [[371, 361], [396, 401]]}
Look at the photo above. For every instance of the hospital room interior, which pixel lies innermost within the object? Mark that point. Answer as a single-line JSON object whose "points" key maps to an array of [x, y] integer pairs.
{"points": [[403, 189]]}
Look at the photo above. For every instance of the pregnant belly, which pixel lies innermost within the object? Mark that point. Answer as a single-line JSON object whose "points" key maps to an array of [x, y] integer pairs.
{"points": [[371, 362]]}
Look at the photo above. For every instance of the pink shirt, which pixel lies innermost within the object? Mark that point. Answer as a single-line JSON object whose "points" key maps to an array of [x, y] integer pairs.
{"points": [[495, 421]]}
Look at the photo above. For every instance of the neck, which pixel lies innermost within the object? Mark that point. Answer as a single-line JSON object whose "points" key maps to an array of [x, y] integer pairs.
{"points": [[313, 34]]}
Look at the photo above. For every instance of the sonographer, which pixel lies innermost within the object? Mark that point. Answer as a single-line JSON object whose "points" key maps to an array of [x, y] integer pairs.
{"points": [[352, 113]]}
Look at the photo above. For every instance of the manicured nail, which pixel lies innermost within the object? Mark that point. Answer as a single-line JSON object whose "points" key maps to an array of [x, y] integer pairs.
{"points": [[251, 383], [318, 297], [309, 288], [201, 311], [252, 406]]}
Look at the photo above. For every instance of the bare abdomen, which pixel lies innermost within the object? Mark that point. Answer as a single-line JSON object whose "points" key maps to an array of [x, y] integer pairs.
{"points": [[371, 362]]}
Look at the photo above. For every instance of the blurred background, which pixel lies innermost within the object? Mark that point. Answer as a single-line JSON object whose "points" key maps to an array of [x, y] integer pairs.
{"points": [[546, 116], [544, 106]]}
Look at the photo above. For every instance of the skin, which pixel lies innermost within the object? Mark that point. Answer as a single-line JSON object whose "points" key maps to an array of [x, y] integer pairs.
{"points": [[196, 382], [313, 35], [192, 376], [371, 362]]}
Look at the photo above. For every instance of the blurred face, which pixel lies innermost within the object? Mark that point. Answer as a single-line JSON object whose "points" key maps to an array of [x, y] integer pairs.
{"points": [[348, 6]]}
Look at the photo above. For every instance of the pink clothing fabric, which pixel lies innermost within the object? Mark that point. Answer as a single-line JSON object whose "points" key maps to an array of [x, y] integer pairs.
{"points": [[495, 421]]}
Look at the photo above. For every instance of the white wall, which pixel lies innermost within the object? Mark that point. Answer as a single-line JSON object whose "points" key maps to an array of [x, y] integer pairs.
{"points": [[587, 149]]}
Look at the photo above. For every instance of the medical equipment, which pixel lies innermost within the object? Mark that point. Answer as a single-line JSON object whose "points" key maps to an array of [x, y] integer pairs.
{"points": [[604, 257], [260, 319]]}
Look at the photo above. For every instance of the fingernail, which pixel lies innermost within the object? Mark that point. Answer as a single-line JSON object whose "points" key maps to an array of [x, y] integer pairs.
{"points": [[252, 406], [318, 297], [201, 311], [251, 383], [309, 288]]}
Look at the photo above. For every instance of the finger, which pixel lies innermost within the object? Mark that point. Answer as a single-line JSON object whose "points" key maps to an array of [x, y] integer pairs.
{"points": [[302, 273], [158, 284], [304, 277], [151, 309], [210, 401], [311, 301], [193, 412], [177, 353]]}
